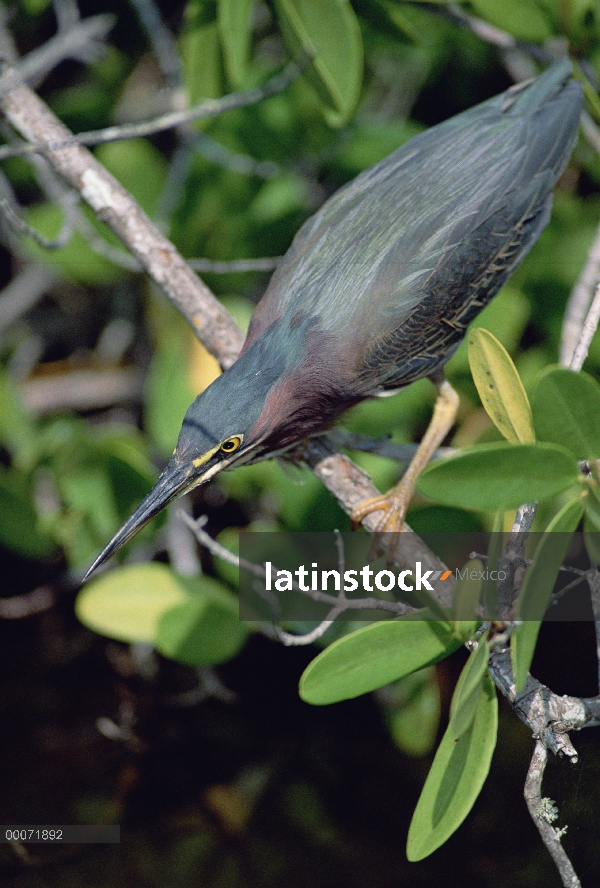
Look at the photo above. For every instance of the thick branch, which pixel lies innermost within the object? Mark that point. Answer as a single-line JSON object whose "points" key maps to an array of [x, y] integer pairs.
{"points": [[549, 716]]}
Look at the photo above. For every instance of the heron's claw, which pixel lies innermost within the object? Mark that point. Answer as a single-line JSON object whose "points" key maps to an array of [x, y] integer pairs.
{"points": [[394, 505]]}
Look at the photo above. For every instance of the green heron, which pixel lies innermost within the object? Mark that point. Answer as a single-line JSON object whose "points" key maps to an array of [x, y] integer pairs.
{"points": [[378, 287]]}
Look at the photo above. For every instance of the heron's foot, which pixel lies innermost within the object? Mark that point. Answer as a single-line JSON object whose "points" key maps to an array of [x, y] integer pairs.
{"points": [[393, 505]]}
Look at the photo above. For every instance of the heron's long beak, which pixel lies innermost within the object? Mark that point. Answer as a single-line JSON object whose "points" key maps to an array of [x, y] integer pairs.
{"points": [[173, 481]]}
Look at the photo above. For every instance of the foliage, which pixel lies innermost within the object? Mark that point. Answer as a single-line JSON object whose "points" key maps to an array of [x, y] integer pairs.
{"points": [[374, 72]]}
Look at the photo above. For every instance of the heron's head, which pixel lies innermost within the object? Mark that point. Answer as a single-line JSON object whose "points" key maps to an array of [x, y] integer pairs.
{"points": [[248, 411]]}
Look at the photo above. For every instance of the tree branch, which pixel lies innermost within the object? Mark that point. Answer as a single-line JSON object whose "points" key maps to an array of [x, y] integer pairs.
{"points": [[205, 110], [543, 812]]}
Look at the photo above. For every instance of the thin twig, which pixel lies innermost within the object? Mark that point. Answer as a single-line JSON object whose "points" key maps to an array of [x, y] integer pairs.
{"points": [[291, 640], [482, 29], [590, 325], [82, 41], [232, 160], [207, 109], [235, 266], [258, 571], [162, 41], [380, 446], [452, 12], [579, 303], [22, 293], [550, 836], [18, 224]]}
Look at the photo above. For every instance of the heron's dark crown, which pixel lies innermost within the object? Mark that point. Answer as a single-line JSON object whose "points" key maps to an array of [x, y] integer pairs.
{"points": [[233, 403]]}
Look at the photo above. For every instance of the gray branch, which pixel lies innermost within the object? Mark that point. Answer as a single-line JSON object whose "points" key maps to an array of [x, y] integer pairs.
{"points": [[579, 303], [535, 803], [207, 109]]}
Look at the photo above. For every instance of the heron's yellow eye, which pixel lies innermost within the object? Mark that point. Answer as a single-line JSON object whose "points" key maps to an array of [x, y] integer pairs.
{"points": [[231, 444]]}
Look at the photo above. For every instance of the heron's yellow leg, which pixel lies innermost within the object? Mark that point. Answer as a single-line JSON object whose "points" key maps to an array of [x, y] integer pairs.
{"points": [[394, 504]]}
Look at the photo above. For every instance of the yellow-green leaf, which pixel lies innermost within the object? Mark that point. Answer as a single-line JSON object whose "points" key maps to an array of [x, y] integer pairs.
{"points": [[466, 694], [128, 603], [500, 387], [459, 769]]}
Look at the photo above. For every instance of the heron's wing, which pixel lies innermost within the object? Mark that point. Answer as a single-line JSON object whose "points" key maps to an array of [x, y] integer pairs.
{"points": [[466, 278], [362, 263]]}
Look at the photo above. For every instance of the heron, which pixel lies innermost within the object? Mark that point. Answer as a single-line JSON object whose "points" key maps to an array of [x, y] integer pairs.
{"points": [[377, 290]]}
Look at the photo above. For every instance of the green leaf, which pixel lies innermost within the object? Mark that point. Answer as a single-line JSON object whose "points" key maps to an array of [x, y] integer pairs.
{"points": [[499, 476], [168, 391], [373, 657], [76, 260], [19, 528], [201, 51], [128, 603], [500, 387], [566, 410], [467, 593], [327, 34], [205, 629], [458, 772], [18, 432], [388, 18], [538, 584], [130, 471], [413, 721], [522, 18], [468, 689], [88, 492], [233, 18]]}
